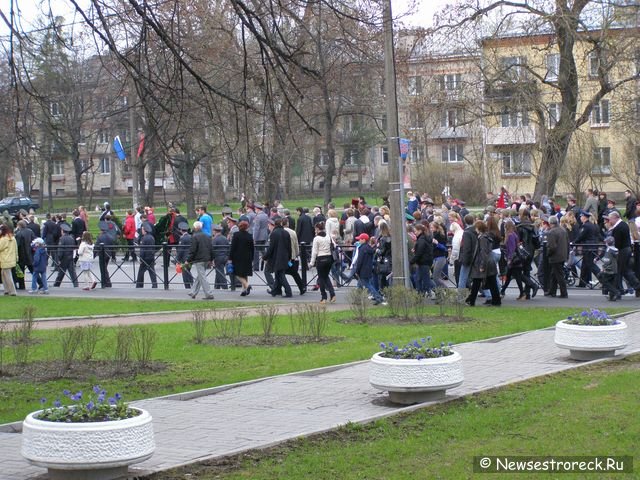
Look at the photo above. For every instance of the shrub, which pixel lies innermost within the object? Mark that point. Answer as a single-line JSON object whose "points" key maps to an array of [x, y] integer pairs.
{"points": [[403, 301], [267, 320], [359, 303], [313, 319], [144, 340], [228, 325], [123, 341], [69, 340], [91, 335], [199, 319]]}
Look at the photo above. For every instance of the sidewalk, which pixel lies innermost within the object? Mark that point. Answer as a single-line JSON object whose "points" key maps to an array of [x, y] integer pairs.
{"points": [[221, 421]]}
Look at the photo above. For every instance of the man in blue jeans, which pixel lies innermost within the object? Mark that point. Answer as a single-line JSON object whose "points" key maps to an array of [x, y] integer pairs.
{"points": [[364, 268], [467, 250]]}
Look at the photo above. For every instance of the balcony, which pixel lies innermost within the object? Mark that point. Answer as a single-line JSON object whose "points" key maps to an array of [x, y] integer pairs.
{"points": [[444, 133], [511, 136]]}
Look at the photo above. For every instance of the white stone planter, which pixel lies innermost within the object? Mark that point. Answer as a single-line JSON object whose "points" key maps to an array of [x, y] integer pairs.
{"points": [[590, 342], [415, 381], [93, 450]]}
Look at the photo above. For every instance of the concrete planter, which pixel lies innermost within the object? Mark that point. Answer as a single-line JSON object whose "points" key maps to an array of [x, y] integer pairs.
{"points": [[415, 381], [590, 342], [92, 450]]}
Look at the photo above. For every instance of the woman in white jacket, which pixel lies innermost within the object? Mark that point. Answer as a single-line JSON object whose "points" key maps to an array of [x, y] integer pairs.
{"points": [[85, 257], [456, 242]]}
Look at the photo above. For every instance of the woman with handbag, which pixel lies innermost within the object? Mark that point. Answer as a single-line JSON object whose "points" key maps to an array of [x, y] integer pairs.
{"points": [[483, 267], [383, 255], [322, 259]]}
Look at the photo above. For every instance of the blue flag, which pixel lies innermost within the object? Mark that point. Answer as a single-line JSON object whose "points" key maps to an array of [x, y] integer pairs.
{"points": [[117, 147]]}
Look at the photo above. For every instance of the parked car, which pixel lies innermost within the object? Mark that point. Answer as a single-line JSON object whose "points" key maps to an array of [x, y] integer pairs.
{"points": [[15, 204]]}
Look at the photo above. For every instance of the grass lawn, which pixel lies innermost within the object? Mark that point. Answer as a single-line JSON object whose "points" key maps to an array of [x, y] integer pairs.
{"points": [[192, 366], [587, 411], [47, 307]]}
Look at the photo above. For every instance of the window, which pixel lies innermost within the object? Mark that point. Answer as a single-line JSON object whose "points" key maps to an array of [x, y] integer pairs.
{"points": [[101, 104], [453, 153], [452, 118], [450, 81], [384, 155], [103, 136], [416, 153], [54, 109], [600, 114], [553, 67], [58, 167], [554, 114], [415, 120], [352, 157], [383, 123], [516, 163], [601, 160], [514, 117], [594, 64], [381, 86], [414, 85], [105, 165], [513, 69], [323, 158]]}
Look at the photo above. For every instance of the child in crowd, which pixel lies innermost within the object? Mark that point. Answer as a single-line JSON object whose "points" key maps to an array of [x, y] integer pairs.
{"points": [[40, 259]]}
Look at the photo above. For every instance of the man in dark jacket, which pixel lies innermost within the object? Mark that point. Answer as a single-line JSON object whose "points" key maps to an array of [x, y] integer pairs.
{"points": [[619, 230], [201, 257], [105, 250], [304, 227], [423, 259], [589, 236], [147, 258], [557, 253], [468, 247], [278, 254], [66, 246], [630, 207], [220, 256], [78, 227], [364, 268], [182, 251], [51, 236], [24, 236]]}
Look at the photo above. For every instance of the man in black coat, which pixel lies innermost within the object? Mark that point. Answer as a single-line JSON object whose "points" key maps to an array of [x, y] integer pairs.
{"points": [[182, 251], [51, 235], [589, 236], [220, 256], [105, 250], [66, 246], [304, 227], [619, 230], [278, 254], [147, 258], [78, 227], [468, 247], [33, 225], [24, 236], [558, 253]]}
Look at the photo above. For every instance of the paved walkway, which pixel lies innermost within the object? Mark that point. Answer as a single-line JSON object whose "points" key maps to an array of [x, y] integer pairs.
{"points": [[227, 420]]}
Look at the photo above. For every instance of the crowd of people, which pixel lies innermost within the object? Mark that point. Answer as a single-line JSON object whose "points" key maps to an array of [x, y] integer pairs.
{"points": [[512, 239]]}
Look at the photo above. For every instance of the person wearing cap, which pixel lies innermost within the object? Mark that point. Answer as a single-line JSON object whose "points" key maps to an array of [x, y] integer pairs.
{"points": [[322, 259], [232, 225], [278, 255], [147, 258], [129, 234], [105, 250], [619, 230], [260, 232], [589, 237], [610, 270], [364, 268], [200, 257], [8, 258], [66, 247], [205, 219], [40, 259], [182, 250], [557, 255], [220, 256]]}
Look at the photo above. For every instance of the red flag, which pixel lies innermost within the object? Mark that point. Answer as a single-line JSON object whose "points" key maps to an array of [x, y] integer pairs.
{"points": [[141, 144]]}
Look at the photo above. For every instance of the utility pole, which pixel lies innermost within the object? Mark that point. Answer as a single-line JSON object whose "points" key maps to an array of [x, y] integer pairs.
{"points": [[399, 253]]}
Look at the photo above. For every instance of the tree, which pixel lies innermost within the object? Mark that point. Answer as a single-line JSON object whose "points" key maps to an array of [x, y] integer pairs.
{"points": [[586, 36]]}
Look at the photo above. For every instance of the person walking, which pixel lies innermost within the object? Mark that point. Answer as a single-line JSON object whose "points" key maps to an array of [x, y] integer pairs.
{"points": [[557, 253], [422, 260], [220, 256], [468, 246], [66, 248], [292, 269], [129, 234], [24, 237], [619, 230], [40, 259], [85, 257], [588, 236], [241, 256], [182, 251], [278, 254], [260, 232], [200, 257], [322, 259], [8, 258], [147, 258], [484, 268], [609, 270]]}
